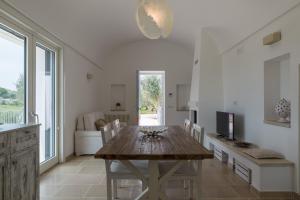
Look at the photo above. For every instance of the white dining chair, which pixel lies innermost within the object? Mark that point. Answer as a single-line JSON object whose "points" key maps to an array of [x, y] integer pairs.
{"points": [[116, 126], [187, 125], [189, 172], [115, 170], [198, 133]]}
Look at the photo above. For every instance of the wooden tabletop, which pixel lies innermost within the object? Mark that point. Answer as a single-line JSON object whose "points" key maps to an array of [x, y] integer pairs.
{"points": [[174, 144]]}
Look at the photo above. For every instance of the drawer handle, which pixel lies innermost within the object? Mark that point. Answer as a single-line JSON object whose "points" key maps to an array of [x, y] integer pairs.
{"points": [[26, 132]]}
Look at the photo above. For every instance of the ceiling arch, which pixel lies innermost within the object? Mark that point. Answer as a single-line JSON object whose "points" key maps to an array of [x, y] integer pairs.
{"points": [[96, 27]]}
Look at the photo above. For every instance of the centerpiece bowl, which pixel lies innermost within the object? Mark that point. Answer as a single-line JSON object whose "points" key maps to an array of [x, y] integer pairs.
{"points": [[153, 131]]}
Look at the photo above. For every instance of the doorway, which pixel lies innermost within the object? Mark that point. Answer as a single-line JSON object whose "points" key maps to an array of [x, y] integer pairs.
{"points": [[151, 98]]}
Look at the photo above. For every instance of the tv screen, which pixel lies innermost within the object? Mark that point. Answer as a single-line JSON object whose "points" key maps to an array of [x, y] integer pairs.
{"points": [[225, 124]]}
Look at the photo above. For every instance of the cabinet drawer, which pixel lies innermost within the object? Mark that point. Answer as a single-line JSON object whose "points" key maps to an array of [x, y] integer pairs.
{"points": [[23, 139], [243, 171], [3, 143]]}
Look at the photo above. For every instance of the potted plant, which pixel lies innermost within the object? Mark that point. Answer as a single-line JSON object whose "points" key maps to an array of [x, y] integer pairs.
{"points": [[118, 106]]}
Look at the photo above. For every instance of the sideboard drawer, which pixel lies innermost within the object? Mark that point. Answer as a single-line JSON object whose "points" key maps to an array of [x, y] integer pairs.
{"points": [[23, 139], [3, 143]]}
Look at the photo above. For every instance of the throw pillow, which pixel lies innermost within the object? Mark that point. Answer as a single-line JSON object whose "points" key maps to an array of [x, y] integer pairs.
{"points": [[99, 124], [263, 153]]}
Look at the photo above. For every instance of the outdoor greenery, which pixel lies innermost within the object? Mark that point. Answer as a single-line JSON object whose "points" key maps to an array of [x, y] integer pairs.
{"points": [[12, 103], [150, 94]]}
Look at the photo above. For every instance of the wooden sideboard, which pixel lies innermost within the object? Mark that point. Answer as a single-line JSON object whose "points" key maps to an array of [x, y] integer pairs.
{"points": [[19, 162]]}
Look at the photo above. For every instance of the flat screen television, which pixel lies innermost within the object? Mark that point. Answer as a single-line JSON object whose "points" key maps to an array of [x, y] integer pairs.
{"points": [[225, 125]]}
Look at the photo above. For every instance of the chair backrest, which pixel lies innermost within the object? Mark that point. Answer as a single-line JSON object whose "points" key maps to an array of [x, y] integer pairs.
{"points": [[187, 125], [106, 133], [198, 133], [116, 126]]}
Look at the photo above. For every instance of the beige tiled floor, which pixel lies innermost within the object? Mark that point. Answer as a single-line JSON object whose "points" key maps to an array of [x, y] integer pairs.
{"points": [[83, 178]]}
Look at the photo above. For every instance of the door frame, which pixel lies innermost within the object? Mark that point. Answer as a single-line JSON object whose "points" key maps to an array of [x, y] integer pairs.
{"points": [[13, 19], [161, 72], [44, 166]]}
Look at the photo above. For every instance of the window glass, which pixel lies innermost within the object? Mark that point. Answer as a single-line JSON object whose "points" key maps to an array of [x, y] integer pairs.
{"points": [[12, 76]]}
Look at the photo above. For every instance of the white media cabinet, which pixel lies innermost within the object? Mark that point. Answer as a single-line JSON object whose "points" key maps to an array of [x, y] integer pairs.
{"points": [[265, 175]]}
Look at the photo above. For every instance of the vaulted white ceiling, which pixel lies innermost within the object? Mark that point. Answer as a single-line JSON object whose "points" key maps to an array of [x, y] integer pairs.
{"points": [[97, 27]]}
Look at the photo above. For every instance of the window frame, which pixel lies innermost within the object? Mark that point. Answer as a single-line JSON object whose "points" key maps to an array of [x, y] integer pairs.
{"points": [[12, 29], [37, 42]]}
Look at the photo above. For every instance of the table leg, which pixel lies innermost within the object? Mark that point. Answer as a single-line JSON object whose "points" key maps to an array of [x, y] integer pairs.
{"points": [[154, 188]]}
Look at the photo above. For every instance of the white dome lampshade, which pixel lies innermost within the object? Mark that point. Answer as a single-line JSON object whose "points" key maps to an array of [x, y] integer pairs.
{"points": [[154, 18]]}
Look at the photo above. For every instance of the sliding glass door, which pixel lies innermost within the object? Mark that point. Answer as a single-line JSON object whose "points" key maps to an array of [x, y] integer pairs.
{"points": [[28, 86], [45, 103]]}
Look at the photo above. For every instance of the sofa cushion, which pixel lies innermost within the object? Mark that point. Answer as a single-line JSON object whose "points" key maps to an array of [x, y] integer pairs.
{"points": [[99, 124], [263, 153], [87, 121]]}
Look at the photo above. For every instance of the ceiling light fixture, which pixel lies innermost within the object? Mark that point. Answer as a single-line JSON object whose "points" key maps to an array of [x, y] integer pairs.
{"points": [[154, 18]]}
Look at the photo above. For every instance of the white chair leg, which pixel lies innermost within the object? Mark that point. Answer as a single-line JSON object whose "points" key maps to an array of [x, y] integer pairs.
{"points": [[184, 184], [109, 188], [195, 190], [115, 188], [199, 180], [144, 186], [190, 189]]}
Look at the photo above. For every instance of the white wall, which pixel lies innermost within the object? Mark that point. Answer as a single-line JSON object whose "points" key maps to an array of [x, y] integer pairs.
{"points": [[243, 73], [121, 67], [209, 69], [81, 95]]}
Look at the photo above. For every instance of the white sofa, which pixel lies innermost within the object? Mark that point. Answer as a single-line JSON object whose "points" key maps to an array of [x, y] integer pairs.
{"points": [[87, 139]]}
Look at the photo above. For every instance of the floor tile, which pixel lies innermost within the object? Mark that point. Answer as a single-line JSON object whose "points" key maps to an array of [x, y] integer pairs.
{"points": [[84, 178]]}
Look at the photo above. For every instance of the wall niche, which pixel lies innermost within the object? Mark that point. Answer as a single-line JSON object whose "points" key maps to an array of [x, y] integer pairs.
{"points": [[276, 87], [118, 96], [182, 97]]}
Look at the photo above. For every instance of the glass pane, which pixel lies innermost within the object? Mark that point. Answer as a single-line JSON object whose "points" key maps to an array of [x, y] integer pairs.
{"points": [[45, 101], [12, 80]]}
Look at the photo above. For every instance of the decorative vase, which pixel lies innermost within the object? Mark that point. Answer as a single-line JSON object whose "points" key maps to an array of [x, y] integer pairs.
{"points": [[283, 110]]}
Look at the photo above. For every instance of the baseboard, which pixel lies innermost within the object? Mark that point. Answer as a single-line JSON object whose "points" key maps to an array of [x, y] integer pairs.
{"points": [[70, 157], [281, 195]]}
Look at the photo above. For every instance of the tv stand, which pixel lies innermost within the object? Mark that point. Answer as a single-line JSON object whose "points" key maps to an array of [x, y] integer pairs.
{"points": [[265, 175], [220, 136], [231, 140]]}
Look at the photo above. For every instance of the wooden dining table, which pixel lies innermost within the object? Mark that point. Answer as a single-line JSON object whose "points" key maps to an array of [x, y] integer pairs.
{"points": [[174, 144]]}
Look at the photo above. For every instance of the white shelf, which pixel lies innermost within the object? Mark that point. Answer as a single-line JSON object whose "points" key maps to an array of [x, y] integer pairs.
{"points": [[182, 97], [276, 123], [118, 95]]}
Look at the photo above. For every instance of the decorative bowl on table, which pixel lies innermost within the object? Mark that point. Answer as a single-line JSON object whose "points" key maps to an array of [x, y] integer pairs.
{"points": [[152, 131]]}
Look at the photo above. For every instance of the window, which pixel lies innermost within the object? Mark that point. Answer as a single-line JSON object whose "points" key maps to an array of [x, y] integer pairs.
{"points": [[12, 76]]}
